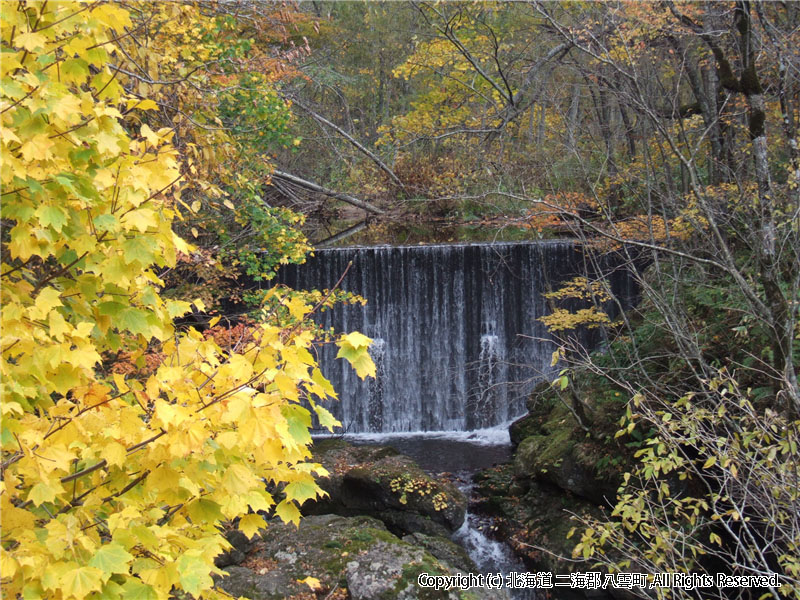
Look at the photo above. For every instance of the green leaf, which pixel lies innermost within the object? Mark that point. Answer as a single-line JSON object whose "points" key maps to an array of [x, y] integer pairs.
{"points": [[133, 320], [136, 590], [299, 422], [194, 576], [141, 249], [106, 222], [300, 491], [52, 216], [111, 558], [110, 309]]}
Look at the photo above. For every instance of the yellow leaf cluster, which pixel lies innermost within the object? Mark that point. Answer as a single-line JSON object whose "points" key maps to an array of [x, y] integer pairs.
{"points": [[585, 291], [115, 487]]}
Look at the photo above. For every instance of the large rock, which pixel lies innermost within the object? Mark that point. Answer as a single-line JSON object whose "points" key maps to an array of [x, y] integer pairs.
{"points": [[558, 471], [444, 549], [566, 464], [379, 482], [351, 557], [240, 546], [555, 450]]}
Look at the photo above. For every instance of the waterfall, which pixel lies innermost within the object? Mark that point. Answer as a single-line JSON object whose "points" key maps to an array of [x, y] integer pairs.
{"points": [[457, 344], [489, 395]]}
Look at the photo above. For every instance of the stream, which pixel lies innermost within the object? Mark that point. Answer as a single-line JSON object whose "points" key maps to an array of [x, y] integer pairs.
{"points": [[461, 455]]}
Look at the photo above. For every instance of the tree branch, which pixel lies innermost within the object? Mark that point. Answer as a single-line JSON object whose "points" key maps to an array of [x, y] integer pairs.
{"points": [[314, 187]]}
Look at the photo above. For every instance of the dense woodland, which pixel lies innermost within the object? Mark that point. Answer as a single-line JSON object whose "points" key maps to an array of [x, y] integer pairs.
{"points": [[152, 152]]}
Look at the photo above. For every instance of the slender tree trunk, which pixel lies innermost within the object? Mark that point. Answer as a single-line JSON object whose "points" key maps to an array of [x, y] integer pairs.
{"points": [[769, 259]]}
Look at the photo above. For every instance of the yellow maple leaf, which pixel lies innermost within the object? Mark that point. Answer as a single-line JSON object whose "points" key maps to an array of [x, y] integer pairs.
{"points": [[37, 148], [30, 40], [250, 524], [149, 135], [68, 108], [311, 582]]}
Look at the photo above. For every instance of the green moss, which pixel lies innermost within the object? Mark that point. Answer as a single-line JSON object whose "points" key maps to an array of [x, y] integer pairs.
{"points": [[523, 428], [329, 444], [352, 541], [540, 452], [363, 536], [411, 572]]}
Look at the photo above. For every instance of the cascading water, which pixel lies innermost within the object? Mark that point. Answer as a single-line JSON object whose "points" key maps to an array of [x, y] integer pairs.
{"points": [[457, 341], [377, 351], [489, 393]]}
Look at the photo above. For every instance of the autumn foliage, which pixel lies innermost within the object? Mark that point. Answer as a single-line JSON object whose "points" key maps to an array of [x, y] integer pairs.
{"points": [[115, 485]]}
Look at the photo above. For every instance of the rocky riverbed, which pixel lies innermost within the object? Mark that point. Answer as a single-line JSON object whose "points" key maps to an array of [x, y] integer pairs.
{"points": [[383, 522]]}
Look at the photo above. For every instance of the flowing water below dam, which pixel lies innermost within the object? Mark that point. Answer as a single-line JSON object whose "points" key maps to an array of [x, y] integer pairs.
{"points": [[458, 456]]}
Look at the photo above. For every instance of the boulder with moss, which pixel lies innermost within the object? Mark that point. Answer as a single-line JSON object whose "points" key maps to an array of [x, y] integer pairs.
{"points": [[379, 482], [558, 470], [558, 451], [331, 556]]}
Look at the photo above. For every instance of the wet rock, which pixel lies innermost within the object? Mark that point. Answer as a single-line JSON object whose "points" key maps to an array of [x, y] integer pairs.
{"points": [[557, 451], [357, 554], [379, 482], [563, 463], [443, 549]]}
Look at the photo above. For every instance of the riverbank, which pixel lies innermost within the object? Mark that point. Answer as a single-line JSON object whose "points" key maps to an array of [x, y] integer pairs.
{"points": [[383, 523]]}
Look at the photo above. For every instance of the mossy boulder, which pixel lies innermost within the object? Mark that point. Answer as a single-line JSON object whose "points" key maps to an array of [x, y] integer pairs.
{"points": [[351, 557], [379, 482], [522, 428], [444, 549], [539, 405], [561, 453]]}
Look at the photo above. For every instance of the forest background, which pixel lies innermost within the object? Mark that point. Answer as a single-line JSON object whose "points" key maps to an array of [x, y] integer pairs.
{"points": [[152, 151]]}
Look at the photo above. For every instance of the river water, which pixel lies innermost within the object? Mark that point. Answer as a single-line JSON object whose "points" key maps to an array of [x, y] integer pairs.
{"points": [[459, 455]]}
